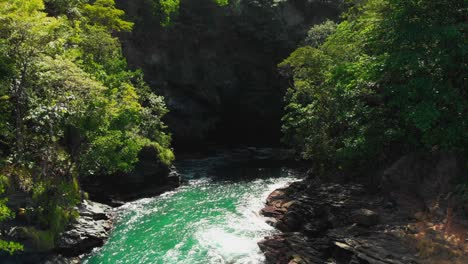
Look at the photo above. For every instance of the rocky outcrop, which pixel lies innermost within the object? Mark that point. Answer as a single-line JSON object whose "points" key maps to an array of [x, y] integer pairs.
{"points": [[425, 182], [217, 66], [332, 221], [150, 177], [89, 230]]}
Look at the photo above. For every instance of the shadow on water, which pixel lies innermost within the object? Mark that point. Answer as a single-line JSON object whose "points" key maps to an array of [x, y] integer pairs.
{"points": [[238, 165]]}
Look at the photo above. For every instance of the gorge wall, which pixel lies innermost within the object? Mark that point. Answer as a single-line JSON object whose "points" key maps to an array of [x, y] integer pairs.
{"points": [[216, 65]]}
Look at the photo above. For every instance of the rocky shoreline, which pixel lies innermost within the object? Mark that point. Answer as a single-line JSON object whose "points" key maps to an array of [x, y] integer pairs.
{"points": [[408, 215], [95, 222], [332, 221], [90, 230]]}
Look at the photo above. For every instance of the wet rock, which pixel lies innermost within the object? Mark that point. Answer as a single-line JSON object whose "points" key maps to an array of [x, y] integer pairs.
{"points": [[293, 221], [379, 249], [271, 211], [174, 179], [18, 233], [62, 260]]}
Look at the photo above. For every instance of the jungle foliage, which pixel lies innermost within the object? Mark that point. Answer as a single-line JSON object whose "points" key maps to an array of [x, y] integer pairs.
{"points": [[166, 10], [69, 105], [390, 78]]}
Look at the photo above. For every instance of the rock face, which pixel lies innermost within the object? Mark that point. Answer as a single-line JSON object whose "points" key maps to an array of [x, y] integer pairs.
{"points": [[425, 182], [332, 221], [217, 66], [90, 230]]}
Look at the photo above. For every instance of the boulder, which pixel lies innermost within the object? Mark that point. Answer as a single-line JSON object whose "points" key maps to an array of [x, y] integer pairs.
{"points": [[90, 230], [96, 211]]}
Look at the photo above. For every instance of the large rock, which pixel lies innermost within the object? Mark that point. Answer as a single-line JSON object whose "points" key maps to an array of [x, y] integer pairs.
{"points": [[90, 230], [150, 177], [95, 211]]}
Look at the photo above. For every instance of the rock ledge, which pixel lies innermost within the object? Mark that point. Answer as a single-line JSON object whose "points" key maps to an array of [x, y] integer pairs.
{"points": [[90, 230]]}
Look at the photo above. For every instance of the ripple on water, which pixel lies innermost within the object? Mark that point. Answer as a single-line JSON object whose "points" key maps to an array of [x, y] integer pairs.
{"points": [[204, 222]]}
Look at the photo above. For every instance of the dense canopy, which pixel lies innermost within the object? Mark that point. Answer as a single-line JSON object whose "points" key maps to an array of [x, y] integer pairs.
{"points": [[388, 79], [70, 107]]}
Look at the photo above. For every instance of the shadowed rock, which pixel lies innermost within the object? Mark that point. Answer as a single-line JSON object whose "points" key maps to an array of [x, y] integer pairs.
{"points": [[339, 222]]}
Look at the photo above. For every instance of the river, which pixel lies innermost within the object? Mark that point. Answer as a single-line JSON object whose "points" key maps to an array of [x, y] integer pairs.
{"points": [[212, 218]]}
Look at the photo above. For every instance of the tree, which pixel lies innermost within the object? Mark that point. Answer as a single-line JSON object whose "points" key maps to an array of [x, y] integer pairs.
{"points": [[104, 13], [393, 83], [317, 34], [25, 33], [5, 214], [423, 75], [168, 9], [69, 104]]}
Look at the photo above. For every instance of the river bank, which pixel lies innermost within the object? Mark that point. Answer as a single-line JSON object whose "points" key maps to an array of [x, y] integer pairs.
{"points": [[212, 218], [96, 221], [411, 218], [89, 230]]}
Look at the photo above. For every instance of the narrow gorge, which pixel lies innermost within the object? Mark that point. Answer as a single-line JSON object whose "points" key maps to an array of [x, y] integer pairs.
{"points": [[233, 132]]}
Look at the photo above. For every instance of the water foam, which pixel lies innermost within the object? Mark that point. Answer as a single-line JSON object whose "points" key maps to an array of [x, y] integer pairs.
{"points": [[204, 222]]}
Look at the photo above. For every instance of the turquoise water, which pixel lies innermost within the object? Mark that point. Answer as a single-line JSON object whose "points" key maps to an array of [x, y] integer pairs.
{"points": [[213, 218]]}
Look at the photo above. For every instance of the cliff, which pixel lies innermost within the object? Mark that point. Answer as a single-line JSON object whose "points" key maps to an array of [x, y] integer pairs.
{"points": [[217, 65]]}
